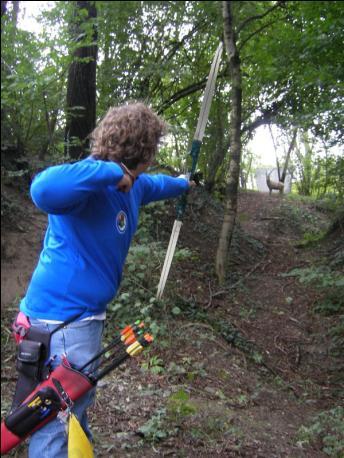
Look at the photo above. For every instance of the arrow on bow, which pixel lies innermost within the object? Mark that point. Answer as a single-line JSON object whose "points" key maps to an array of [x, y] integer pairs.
{"points": [[194, 153]]}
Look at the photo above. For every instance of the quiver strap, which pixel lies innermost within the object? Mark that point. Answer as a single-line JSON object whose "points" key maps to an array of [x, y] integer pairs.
{"points": [[64, 384]]}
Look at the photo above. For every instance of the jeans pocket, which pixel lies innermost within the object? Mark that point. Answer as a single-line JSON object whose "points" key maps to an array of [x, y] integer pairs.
{"points": [[83, 341]]}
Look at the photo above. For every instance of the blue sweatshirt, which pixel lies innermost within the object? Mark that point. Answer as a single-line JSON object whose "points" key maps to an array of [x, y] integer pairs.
{"points": [[90, 227]]}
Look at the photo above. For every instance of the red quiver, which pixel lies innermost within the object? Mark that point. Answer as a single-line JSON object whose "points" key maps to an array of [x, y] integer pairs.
{"points": [[64, 385]]}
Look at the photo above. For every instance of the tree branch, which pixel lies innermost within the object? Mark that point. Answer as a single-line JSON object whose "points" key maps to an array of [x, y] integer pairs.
{"points": [[175, 48], [255, 33], [265, 118], [186, 91], [173, 51], [258, 16], [181, 94]]}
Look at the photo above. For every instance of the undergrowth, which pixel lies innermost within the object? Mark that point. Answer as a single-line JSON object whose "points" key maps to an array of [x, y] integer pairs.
{"points": [[326, 428], [328, 281], [137, 295]]}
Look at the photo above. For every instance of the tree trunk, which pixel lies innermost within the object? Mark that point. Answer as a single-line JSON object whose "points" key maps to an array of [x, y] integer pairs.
{"points": [[326, 169], [81, 89], [51, 120], [235, 142], [286, 162], [221, 147], [3, 7], [304, 184], [245, 173], [275, 148]]}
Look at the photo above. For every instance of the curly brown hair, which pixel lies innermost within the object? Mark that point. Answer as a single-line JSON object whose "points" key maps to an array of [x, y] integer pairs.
{"points": [[129, 134]]}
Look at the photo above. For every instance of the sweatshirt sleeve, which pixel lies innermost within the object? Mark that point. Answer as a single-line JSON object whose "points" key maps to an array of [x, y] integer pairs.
{"points": [[64, 188], [158, 187]]}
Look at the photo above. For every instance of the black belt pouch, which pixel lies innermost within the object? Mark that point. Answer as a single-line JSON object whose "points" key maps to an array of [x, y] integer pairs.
{"points": [[33, 353]]}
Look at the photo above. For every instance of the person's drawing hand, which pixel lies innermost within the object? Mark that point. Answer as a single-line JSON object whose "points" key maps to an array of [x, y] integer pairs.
{"points": [[125, 184]]}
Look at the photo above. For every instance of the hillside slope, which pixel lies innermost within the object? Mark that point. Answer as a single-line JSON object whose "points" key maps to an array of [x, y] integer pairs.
{"points": [[239, 369]]}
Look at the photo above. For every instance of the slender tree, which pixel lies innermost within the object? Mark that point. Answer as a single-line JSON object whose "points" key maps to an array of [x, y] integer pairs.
{"points": [[235, 140], [238, 126], [287, 158]]}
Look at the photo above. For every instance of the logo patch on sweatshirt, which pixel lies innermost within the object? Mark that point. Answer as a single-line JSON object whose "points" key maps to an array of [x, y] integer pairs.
{"points": [[121, 221]]}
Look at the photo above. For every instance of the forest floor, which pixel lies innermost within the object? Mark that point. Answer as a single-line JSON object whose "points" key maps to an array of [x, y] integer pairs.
{"points": [[244, 370]]}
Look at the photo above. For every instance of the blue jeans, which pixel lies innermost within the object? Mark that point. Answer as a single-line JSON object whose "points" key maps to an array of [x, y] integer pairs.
{"points": [[79, 341]]}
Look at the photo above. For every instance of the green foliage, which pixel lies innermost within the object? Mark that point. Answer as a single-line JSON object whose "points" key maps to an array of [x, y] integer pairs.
{"points": [[305, 74], [257, 357], [184, 253], [188, 369], [311, 237], [154, 364], [179, 406], [33, 71], [319, 171], [166, 422], [337, 335], [137, 295], [328, 428], [154, 429], [160, 52], [322, 276], [301, 219], [330, 282]]}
